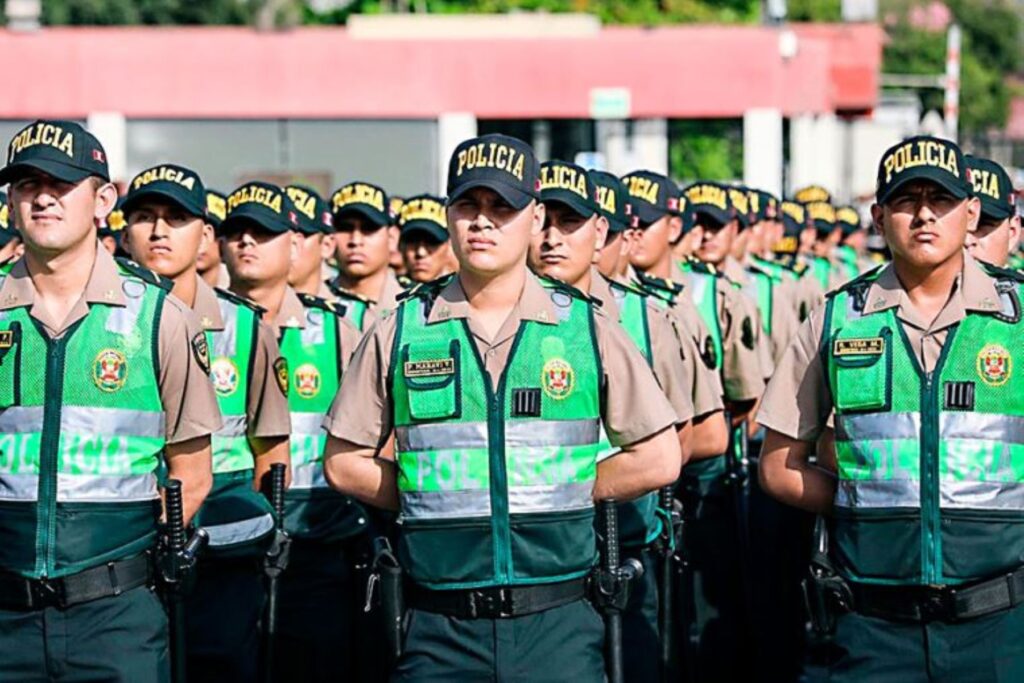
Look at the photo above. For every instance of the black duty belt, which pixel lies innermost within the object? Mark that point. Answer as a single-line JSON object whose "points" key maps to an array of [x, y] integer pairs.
{"points": [[106, 580], [498, 602], [940, 603]]}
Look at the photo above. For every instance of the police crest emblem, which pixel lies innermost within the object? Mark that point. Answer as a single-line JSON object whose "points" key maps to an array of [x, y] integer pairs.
{"points": [[224, 376], [994, 365], [307, 380], [558, 378], [109, 370]]}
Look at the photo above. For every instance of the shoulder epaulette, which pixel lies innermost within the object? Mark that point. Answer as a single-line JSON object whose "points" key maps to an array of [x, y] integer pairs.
{"points": [[343, 293], [858, 285], [558, 285], [228, 295], [145, 274], [632, 287], [310, 301], [405, 282], [662, 288], [431, 289], [699, 266], [1000, 273]]}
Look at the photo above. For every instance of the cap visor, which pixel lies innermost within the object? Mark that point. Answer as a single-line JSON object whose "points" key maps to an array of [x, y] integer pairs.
{"points": [[716, 214], [570, 199], [996, 211], [55, 169], [134, 199], [378, 218], [242, 218], [934, 175], [646, 213], [424, 229], [516, 198]]}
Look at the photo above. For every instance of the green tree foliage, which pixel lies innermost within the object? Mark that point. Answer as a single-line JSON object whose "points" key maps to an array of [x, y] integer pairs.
{"points": [[989, 53], [162, 12], [709, 149], [814, 10]]}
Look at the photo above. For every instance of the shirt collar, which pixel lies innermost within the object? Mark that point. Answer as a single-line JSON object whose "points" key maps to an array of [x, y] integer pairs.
{"points": [[206, 307], [534, 303], [292, 312], [601, 289], [102, 287], [975, 288]]}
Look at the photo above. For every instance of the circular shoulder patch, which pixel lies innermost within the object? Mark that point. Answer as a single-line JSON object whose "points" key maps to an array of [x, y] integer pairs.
{"points": [[110, 370], [708, 353], [307, 380], [994, 365]]}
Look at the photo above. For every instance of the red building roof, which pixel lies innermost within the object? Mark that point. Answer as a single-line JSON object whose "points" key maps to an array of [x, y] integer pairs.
{"points": [[230, 72]]}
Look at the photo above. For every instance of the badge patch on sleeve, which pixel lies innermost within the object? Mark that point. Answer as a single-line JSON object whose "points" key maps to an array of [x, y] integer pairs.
{"points": [[708, 354], [281, 374], [870, 346], [430, 368], [747, 333], [201, 350]]}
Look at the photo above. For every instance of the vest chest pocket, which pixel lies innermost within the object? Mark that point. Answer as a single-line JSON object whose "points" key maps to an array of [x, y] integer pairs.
{"points": [[862, 372], [431, 372], [10, 362]]}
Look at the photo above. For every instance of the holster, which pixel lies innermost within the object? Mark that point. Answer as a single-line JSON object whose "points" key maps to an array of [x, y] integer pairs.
{"points": [[386, 577], [826, 594]]}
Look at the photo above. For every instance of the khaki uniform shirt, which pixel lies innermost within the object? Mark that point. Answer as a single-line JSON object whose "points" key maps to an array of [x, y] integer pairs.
{"points": [[742, 374], [190, 406], [673, 366], [293, 314], [784, 320], [266, 406], [801, 373], [387, 300], [634, 407]]}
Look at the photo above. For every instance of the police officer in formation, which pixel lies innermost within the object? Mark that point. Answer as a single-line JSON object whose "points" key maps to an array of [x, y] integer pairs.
{"points": [[564, 337]]}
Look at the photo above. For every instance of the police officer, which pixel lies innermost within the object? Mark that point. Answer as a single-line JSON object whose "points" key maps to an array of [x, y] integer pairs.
{"points": [[849, 255], [109, 229], [574, 228], [209, 264], [423, 240], [260, 241], [998, 232], [914, 364], [494, 387], [395, 260], [102, 376], [817, 245], [10, 242], [789, 259], [166, 228], [364, 240], [316, 243]]}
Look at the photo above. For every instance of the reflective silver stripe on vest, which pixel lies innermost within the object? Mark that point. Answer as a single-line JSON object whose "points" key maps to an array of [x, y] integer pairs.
{"points": [[878, 493], [878, 426], [124, 319], [240, 531], [551, 498], [310, 424], [21, 420], [88, 488], [518, 434], [446, 504], [23, 487], [234, 426], [225, 342], [988, 426], [112, 422], [313, 333], [981, 495], [309, 476]]}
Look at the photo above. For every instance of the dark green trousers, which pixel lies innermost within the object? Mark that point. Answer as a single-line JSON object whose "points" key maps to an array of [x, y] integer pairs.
{"points": [[985, 650], [122, 638], [640, 634], [562, 644]]}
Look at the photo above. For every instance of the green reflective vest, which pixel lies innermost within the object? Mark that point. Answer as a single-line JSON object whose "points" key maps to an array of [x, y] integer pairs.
{"points": [[930, 465], [313, 510], [846, 257], [82, 430], [821, 269], [238, 519], [639, 523], [496, 482], [351, 306], [760, 288]]}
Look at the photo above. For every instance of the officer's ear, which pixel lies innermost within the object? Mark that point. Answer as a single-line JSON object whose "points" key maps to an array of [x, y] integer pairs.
{"points": [[294, 245], [539, 214], [973, 213], [327, 247], [878, 218], [392, 237], [106, 199], [1014, 233], [600, 235], [675, 229], [206, 239]]}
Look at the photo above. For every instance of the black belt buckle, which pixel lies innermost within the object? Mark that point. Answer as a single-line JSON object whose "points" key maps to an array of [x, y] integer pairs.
{"points": [[46, 593], [495, 603], [937, 604]]}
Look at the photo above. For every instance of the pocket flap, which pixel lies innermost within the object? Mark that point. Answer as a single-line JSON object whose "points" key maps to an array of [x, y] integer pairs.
{"points": [[430, 371]]}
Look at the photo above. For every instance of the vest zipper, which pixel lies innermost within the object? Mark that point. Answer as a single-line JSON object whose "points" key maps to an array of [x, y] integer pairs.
{"points": [[928, 487], [46, 513]]}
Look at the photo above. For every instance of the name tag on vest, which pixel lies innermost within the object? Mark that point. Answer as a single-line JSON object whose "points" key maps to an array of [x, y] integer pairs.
{"points": [[6, 339], [872, 346], [430, 368]]}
